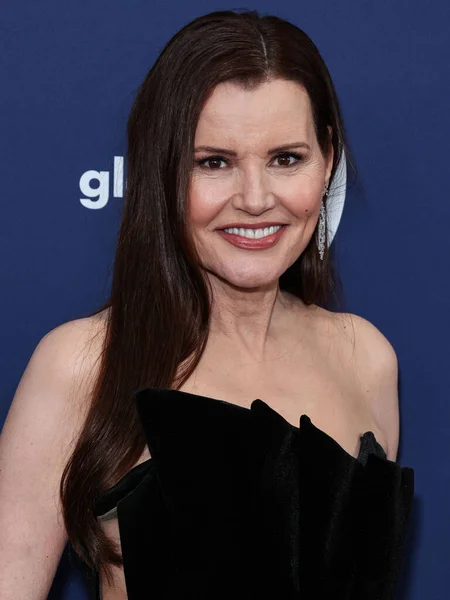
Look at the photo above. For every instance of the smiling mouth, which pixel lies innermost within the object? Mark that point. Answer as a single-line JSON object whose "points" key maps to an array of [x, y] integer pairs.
{"points": [[253, 233]]}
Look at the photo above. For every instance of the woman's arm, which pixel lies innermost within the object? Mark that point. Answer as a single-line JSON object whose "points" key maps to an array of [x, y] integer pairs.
{"points": [[44, 420]]}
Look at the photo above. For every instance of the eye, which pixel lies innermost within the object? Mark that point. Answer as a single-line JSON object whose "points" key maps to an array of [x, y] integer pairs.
{"points": [[213, 163], [287, 159]]}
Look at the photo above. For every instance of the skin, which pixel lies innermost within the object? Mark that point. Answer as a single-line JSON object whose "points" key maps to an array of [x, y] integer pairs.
{"points": [[337, 368]]}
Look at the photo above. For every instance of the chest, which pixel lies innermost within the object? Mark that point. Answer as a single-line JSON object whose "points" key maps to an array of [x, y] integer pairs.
{"points": [[322, 384]]}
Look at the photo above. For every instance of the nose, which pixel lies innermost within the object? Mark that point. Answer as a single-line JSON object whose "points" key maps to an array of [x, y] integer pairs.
{"points": [[253, 192]]}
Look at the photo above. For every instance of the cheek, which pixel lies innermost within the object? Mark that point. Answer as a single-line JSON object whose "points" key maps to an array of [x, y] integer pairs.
{"points": [[205, 200], [303, 197]]}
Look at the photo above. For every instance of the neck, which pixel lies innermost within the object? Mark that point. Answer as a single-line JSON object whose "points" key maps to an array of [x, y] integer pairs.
{"points": [[248, 318]]}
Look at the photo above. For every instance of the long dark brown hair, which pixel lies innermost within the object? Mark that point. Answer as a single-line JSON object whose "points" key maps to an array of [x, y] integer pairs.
{"points": [[159, 307]]}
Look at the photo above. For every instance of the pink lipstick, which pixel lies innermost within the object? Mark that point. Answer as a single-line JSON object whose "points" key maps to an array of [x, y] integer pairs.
{"points": [[248, 243]]}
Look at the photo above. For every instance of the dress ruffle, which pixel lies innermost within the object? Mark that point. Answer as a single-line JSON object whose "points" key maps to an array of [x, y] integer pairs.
{"points": [[237, 503]]}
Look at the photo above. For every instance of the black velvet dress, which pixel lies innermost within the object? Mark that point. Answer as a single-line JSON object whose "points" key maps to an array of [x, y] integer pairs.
{"points": [[237, 503]]}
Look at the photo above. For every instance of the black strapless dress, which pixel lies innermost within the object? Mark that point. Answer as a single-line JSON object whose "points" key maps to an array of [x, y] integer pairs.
{"points": [[237, 503]]}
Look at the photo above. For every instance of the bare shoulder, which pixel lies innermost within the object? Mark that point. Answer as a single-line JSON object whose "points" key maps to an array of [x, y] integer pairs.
{"points": [[369, 359], [41, 428], [373, 351], [69, 354], [373, 360], [59, 376], [77, 343], [360, 340]]}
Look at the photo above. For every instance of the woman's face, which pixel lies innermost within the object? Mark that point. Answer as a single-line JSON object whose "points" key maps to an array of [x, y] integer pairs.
{"points": [[257, 182]]}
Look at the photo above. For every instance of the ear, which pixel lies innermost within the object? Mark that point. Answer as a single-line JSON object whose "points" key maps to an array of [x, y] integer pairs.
{"points": [[329, 156]]}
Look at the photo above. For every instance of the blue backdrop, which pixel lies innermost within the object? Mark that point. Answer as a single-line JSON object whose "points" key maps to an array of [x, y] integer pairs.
{"points": [[69, 72]]}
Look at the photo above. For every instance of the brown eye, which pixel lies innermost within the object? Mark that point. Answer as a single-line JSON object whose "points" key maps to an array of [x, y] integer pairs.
{"points": [[287, 159], [213, 163]]}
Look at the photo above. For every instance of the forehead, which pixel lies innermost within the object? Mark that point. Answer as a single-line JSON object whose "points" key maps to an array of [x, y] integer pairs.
{"points": [[275, 109]]}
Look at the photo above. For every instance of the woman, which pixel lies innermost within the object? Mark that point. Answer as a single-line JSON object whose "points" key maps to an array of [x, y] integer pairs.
{"points": [[140, 434]]}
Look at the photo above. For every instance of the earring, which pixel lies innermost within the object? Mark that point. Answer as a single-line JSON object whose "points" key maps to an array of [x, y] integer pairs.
{"points": [[322, 225]]}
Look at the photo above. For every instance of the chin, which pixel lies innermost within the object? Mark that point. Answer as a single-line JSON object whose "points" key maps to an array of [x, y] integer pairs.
{"points": [[249, 281]]}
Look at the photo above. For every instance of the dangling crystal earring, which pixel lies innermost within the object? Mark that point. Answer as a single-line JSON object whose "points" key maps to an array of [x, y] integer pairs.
{"points": [[321, 227]]}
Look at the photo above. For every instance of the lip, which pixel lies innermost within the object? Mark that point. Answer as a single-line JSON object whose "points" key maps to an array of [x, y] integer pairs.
{"points": [[253, 244]]}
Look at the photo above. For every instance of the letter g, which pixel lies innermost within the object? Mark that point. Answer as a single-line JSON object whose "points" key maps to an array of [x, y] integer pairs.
{"points": [[100, 193]]}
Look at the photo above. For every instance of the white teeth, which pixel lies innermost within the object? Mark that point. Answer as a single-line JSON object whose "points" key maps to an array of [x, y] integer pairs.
{"points": [[254, 233]]}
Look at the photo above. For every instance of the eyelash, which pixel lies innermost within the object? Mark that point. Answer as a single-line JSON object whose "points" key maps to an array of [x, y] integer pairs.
{"points": [[298, 157]]}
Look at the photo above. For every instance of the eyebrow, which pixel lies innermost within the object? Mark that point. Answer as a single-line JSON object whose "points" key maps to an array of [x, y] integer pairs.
{"points": [[276, 150]]}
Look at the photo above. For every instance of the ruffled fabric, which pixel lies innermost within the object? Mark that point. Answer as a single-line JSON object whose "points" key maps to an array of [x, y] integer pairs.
{"points": [[238, 503]]}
